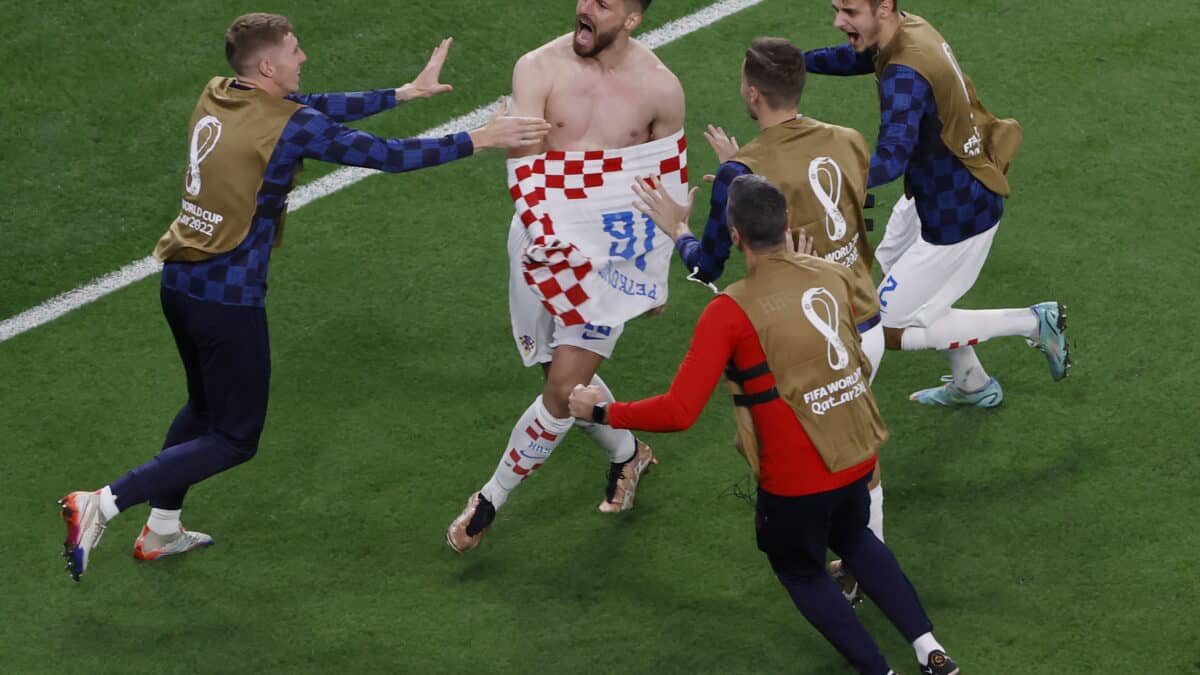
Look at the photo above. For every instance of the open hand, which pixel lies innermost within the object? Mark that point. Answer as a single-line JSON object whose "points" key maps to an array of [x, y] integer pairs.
{"points": [[723, 144], [654, 201], [427, 83], [799, 243], [583, 400], [505, 131]]}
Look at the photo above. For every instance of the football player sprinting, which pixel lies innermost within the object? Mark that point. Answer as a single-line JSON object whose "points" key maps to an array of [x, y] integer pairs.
{"points": [[249, 135], [953, 155]]}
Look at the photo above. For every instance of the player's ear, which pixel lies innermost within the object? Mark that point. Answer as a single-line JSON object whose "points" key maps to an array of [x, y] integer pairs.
{"points": [[633, 20], [265, 67]]}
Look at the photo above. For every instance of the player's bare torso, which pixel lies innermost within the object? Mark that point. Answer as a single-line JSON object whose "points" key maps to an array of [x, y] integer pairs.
{"points": [[595, 107]]}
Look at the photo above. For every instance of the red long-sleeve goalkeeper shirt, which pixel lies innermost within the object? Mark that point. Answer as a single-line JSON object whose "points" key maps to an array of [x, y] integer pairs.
{"points": [[789, 463]]}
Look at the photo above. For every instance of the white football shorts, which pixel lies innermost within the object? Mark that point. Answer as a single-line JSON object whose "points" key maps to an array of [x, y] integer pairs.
{"points": [[873, 348], [922, 281], [533, 327]]}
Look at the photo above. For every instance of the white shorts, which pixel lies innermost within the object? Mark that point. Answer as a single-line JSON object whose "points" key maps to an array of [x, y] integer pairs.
{"points": [[922, 281], [873, 348], [534, 328]]}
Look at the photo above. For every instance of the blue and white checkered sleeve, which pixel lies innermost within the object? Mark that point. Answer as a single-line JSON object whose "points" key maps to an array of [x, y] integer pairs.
{"points": [[705, 257], [904, 97], [313, 135], [349, 106], [840, 60]]}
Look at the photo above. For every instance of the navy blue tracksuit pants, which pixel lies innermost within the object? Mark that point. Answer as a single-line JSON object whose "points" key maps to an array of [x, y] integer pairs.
{"points": [[226, 356], [795, 533]]}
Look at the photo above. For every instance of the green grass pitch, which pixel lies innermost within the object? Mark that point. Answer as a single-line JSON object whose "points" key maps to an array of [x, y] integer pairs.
{"points": [[1056, 534]]}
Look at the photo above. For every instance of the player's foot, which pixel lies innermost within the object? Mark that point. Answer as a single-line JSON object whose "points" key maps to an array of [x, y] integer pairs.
{"points": [[150, 545], [623, 479], [940, 664], [1052, 337], [468, 528], [85, 526], [846, 581], [949, 395]]}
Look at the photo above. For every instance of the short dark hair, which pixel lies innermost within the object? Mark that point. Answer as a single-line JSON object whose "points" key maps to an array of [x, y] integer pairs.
{"points": [[776, 68], [251, 32], [758, 211]]}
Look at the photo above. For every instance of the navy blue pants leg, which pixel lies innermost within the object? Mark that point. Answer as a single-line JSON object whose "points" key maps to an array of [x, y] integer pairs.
{"points": [[192, 420], [188, 425], [819, 599], [878, 571], [226, 356], [795, 532]]}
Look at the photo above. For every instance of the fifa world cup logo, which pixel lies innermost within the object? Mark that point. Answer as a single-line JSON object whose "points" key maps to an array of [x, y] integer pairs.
{"points": [[204, 138], [821, 310], [825, 176]]}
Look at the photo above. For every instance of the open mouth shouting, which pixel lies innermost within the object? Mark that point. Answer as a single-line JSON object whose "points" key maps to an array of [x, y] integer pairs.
{"points": [[585, 34]]}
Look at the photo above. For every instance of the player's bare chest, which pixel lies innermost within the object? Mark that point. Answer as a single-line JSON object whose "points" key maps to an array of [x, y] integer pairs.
{"points": [[599, 111]]}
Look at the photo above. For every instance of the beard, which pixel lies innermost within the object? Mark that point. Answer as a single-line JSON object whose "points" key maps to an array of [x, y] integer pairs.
{"points": [[600, 42]]}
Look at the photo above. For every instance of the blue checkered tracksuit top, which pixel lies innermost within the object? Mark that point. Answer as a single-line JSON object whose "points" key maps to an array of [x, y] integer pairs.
{"points": [[239, 276], [952, 203]]}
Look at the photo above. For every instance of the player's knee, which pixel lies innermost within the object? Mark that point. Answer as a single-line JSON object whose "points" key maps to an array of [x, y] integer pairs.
{"points": [[892, 337], [235, 450], [554, 396]]}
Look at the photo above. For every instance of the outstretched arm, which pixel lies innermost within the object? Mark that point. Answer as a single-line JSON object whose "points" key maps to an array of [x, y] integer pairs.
{"points": [[347, 107], [713, 343], [904, 98], [840, 60], [705, 257], [310, 134]]}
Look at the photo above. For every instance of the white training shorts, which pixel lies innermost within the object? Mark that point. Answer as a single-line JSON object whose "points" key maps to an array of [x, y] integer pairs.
{"points": [[922, 281], [873, 348], [533, 326]]}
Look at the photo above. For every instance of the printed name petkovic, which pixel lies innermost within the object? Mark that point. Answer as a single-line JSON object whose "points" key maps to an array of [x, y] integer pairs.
{"points": [[624, 284], [200, 220]]}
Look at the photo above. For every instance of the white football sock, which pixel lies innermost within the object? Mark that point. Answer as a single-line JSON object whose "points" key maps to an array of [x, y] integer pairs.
{"points": [[108, 503], [619, 443], [164, 522], [924, 646], [534, 437], [875, 523], [968, 372], [964, 327]]}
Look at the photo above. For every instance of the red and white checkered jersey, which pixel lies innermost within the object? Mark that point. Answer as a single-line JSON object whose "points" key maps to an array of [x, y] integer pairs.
{"points": [[592, 258]]}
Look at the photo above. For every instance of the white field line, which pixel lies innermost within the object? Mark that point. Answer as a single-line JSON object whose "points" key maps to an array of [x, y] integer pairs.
{"points": [[329, 184]]}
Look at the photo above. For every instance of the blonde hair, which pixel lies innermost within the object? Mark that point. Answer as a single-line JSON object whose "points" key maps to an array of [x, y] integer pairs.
{"points": [[249, 33]]}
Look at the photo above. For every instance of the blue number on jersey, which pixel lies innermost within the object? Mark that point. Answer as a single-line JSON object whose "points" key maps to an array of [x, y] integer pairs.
{"points": [[620, 225], [889, 285]]}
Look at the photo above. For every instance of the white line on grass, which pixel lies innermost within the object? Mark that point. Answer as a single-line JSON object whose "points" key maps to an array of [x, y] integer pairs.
{"points": [[327, 185]]}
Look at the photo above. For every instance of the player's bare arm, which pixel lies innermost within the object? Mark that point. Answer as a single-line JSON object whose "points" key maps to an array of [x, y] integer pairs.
{"points": [[670, 103], [531, 84]]}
